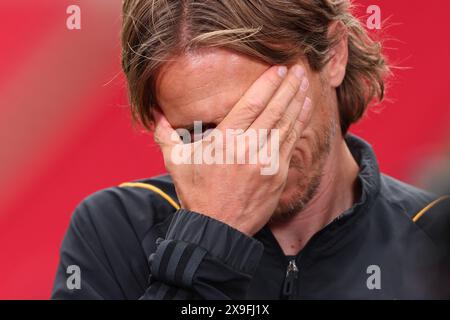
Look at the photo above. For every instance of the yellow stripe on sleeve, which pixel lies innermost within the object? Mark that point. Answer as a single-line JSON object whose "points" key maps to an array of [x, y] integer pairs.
{"points": [[152, 188]]}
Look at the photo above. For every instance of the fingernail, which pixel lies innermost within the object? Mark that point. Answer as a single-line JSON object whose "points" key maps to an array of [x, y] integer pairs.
{"points": [[305, 85], [282, 71], [298, 71], [308, 104], [305, 110]]}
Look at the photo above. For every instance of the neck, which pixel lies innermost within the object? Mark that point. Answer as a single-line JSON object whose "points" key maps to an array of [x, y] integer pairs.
{"points": [[337, 192]]}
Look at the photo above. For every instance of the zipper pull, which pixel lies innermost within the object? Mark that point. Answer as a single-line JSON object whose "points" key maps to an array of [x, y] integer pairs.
{"points": [[291, 276]]}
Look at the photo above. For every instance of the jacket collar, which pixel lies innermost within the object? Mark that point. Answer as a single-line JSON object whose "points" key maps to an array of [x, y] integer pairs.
{"points": [[369, 172]]}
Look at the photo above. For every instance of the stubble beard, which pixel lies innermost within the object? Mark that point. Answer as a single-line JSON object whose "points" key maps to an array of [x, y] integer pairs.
{"points": [[310, 177]]}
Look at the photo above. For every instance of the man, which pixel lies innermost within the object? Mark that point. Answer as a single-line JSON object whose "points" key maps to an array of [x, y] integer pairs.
{"points": [[326, 224]]}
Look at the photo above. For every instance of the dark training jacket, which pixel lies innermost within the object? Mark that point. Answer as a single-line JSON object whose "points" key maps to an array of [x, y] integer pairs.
{"points": [[134, 242]]}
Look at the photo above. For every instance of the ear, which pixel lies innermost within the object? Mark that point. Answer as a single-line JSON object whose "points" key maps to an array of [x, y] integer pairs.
{"points": [[338, 56]]}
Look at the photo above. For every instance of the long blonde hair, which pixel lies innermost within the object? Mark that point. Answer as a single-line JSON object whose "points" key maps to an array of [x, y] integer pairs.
{"points": [[275, 31]]}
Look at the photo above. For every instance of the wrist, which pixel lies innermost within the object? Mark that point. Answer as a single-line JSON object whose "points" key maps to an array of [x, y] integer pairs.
{"points": [[232, 219]]}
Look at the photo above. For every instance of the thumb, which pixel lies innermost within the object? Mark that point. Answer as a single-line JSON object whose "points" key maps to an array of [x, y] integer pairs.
{"points": [[165, 136]]}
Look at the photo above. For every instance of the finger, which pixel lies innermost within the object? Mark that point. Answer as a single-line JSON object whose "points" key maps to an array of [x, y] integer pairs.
{"points": [[285, 150], [290, 117], [302, 121], [281, 100], [255, 99]]}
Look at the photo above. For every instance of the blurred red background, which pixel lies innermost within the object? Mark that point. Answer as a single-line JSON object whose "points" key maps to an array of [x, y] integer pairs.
{"points": [[65, 129]]}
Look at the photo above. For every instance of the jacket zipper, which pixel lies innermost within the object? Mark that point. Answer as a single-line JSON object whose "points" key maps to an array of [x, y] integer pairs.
{"points": [[292, 270], [290, 279]]}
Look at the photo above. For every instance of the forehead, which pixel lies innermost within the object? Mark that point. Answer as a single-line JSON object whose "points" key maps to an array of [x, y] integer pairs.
{"points": [[204, 86]]}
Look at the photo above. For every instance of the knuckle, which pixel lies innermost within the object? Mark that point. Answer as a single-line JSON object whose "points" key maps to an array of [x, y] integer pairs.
{"points": [[253, 105], [284, 122], [292, 137], [274, 81], [292, 85], [275, 112]]}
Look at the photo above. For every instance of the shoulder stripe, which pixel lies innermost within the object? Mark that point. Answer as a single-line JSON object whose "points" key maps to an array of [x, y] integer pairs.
{"points": [[152, 188], [418, 215]]}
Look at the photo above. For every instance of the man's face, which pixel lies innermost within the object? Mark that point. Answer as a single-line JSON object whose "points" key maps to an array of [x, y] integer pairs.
{"points": [[205, 86]]}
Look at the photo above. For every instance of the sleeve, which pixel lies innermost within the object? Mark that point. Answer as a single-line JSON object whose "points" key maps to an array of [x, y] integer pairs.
{"points": [[202, 258]]}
